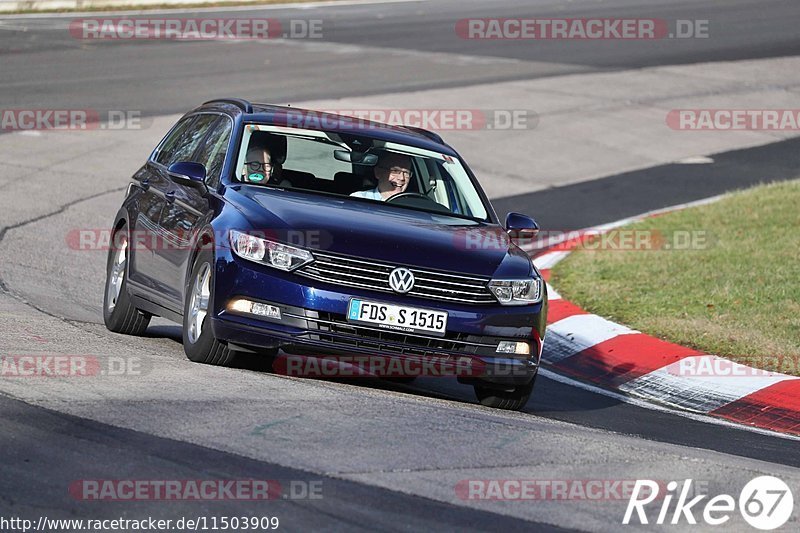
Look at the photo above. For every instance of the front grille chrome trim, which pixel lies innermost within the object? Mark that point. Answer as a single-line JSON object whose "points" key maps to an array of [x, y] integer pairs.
{"points": [[374, 276], [351, 267]]}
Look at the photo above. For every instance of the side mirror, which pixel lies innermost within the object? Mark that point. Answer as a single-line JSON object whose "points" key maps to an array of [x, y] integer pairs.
{"points": [[521, 227], [189, 174]]}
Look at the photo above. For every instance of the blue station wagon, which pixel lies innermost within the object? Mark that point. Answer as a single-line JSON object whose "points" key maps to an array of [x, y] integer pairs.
{"points": [[274, 230]]}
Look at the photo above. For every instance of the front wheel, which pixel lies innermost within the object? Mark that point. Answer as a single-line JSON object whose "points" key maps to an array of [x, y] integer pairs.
{"points": [[198, 340], [512, 399]]}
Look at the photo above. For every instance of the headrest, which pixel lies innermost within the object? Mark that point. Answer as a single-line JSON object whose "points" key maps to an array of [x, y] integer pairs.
{"points": [[347, 182], [276, 144]]}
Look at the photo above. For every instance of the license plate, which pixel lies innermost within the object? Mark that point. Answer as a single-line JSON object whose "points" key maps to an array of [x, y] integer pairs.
{"points": [[397, 317]]}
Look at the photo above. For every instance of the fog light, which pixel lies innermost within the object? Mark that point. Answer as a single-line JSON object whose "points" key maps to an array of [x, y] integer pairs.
{"points": [[518, 348], [255, 308]]}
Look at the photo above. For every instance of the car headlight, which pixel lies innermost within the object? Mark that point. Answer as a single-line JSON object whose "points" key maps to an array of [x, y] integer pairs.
{"points": [[271, 253], [517, 291]]}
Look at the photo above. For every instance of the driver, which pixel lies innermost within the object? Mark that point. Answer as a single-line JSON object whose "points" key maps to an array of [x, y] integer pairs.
{"points": [[393, 173]]}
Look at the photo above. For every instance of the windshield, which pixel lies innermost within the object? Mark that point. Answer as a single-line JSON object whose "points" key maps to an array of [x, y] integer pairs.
{"points": [[359, 167]]}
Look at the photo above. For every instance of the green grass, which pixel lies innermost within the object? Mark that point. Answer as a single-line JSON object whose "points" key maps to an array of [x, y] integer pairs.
{"points": [[738, 296]]}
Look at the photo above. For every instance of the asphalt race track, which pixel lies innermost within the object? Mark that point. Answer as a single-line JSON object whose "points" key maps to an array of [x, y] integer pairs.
{"points": [[43, 63], [388, 457]]}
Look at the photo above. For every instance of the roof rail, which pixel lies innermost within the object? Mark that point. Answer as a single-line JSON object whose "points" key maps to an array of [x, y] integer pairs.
{"points": [[427, 133], [244, 105]]}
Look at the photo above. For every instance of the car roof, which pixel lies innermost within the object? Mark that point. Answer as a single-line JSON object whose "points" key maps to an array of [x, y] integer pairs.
{"points": [[277, 115]]}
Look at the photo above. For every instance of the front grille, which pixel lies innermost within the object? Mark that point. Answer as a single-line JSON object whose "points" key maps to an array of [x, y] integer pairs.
{"points": [[334, 329], [443, 286]]}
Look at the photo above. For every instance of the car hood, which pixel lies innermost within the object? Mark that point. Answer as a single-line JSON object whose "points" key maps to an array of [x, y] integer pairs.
{"points": [[382, 233]]}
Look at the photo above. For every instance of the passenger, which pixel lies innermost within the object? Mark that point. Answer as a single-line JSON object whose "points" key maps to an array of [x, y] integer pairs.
{"points": [[258, 167], [393, 173], [266, 154]]}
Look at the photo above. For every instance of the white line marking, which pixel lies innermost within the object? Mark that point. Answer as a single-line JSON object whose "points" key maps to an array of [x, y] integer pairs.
{"points": [[673, 384], [549, 259], [589, 330], [552, 294], [648, 404], [696, 160], [579, 332]]}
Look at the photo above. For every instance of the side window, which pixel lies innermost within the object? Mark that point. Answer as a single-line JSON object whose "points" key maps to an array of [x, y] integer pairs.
{"points": [[212, 152], [183, 141], [171, 142]]}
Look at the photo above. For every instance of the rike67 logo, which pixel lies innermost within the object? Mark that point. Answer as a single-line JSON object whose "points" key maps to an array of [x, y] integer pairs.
{"points": [[766, 503]]}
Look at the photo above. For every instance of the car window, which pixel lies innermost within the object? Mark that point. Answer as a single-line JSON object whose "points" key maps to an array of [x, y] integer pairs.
{"points": [[212, 152], [171, 140], [437, 182], [184, 140], [314, 157]]}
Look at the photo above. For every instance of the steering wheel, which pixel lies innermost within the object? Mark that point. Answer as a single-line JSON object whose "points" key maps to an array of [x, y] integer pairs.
{"points": [[401, 195], [418, 200]]}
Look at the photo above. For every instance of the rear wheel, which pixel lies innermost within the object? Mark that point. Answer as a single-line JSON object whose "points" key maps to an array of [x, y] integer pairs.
{"points": [[119, 314], [198, 340], [512, 399]]}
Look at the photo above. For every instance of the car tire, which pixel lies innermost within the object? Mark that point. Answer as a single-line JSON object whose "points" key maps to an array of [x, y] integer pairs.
{"points": [[119, 313], [509, 399], [199, 343]]}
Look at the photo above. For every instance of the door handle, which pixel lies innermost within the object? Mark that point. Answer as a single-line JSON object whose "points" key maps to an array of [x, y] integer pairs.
{"points": [[170, 197]]}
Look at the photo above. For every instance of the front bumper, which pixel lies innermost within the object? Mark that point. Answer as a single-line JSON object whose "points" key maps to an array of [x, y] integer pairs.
{"points": [[313, 319]]}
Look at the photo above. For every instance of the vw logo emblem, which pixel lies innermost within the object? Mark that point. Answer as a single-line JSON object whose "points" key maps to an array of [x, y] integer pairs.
{"points": [[401, 280]]}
